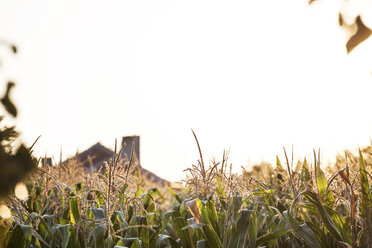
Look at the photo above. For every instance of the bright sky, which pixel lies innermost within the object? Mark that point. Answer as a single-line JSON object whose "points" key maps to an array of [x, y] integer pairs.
{"points": [[252, 76]]}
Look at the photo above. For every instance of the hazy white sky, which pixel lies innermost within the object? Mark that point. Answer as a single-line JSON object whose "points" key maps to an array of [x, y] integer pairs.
{"points": [[251, 76]]}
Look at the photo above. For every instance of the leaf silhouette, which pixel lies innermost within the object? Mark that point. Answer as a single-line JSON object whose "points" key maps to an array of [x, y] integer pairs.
{"points": [[340, 19], [14, 48], [8, 104], [361, 35], [14, 168]]}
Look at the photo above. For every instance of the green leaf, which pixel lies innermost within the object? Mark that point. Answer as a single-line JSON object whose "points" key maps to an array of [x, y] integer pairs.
{"points": [[303, 231], [77, 238], [165, 220], [212, 216], [27, 234], [179, 200], [266, 238], [211, 236], [98, 213], [366, 192], [252, 229], [78, 187], [321, 181], [43, 227], [99, 197], [193, 226], [250, 217], [329, 200], [239, 232], [145, 236], [148, 202], [312, 198], [130, 213], [118, 221], [342, 224], [280, 174], [201, 244], [129, 242], [17, 238], [63, 231], [99, 236], [4, 230], [221, 192], [178, 223], [74, 210], [165, 238], [305, 174], [366, 204]]}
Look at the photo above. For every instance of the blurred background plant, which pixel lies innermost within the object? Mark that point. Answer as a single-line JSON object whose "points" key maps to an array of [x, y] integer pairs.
{"points": [[15, 164], [354, 20]]}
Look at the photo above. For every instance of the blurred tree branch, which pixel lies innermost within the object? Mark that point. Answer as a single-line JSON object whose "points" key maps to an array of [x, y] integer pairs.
{"points": [[14, 165], [362, 33]]}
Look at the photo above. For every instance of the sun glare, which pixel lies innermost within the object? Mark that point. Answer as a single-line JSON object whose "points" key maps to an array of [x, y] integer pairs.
{"points": [[21, 191], [5, 212]]}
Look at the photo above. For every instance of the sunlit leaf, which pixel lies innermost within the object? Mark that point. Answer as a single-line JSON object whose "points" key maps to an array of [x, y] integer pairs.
{"points": [[361, 35], [366, 192], [74, 210], [7, 103]]}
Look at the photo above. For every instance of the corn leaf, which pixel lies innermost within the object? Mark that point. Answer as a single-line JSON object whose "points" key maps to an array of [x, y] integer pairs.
{"points": [[239, 231], [98, 213], [4, 230], [129, 242], [145, 233], [269, 237], [252, 229], [366, 192], [63, 232], [302, 231], [212, 216], [17, 238], [305, 174], [312, 198], [201, 244], [165, 238], [342, 224], [99, 236], [280, 173], [74, 210], [118, 221], [329, 200], [179, 200], [165, 220], [178, 223], [211, 236]]}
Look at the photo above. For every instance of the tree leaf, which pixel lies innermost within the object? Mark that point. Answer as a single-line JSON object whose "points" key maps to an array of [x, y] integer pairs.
{"points": [[361, 35], [8, 104]]}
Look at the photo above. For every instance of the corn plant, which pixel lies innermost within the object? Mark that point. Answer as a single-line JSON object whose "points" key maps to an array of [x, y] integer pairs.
{"points": [[296, 206]]}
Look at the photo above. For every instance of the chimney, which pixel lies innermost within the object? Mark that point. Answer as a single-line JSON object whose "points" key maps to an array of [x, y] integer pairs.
{"points": [[127, 151], [46, 162]]}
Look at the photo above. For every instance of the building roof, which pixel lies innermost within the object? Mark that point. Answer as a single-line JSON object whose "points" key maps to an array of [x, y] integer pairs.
{"points": [[95, 156]]}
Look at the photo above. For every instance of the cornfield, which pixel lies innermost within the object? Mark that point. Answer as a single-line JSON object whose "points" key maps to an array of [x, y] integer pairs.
{"points": [[287, 206]]}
